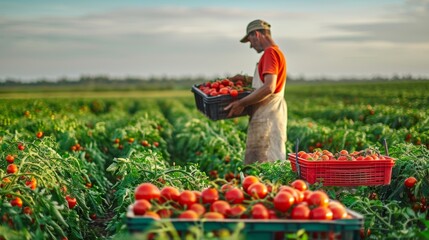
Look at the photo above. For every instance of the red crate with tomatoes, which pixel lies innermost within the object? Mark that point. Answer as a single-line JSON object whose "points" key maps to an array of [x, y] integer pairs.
{"points": [[212, 97], [363, 168]]}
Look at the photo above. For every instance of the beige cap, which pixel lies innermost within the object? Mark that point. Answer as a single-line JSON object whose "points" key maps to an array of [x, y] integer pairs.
{"points": [[255, 25]]}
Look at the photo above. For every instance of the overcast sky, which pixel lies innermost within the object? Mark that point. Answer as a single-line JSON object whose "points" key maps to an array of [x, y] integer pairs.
{"points": [[138, 38]]}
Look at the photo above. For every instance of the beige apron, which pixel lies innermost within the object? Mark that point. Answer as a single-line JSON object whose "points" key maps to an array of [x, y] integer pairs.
{"points": [[266, 134]]}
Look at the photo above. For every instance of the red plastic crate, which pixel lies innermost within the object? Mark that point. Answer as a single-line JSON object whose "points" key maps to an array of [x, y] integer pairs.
{"points": [[345, 173]]}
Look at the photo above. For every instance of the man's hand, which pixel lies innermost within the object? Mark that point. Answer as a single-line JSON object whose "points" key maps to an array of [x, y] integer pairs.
{"points": [[236, 108]]}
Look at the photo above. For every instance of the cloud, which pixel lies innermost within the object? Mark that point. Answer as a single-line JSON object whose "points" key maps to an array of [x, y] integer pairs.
{"points": [[144, 41], [175, 41], [404, 24]]}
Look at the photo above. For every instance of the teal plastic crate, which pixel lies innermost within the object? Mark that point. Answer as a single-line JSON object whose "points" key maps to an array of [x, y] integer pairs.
{"points": [[262, 229]]}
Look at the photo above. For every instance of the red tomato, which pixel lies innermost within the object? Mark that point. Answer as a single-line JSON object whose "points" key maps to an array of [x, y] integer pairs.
{"points": [[12, 168], [16, 202], [410, 182], [295, 193], [141, 206], [223, 91], [145, 143], [321, 213], [93, 216], [226, 82], [209, 195], [299, 184], [306, 194], [147, 191], [233, 93], [197, 194], [301, 211], [213, 215], [338, 211], [344, 153], [187, 198], [234, 196], [150, 214], [21, 147], [39, 134], [272, 214], [226, 187], [10, 158], [215, 85], [198, 208], [257, 190], [259, 211], [220, 206], [247, 181], [318, 198], [165, 213], [188, 214], [169, 193], [71, 201], [236, 211], [283, 201], [27, 210], [32, 183]]}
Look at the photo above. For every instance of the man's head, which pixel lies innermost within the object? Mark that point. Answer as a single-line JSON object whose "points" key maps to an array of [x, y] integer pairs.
{"points": [[254, 26]]}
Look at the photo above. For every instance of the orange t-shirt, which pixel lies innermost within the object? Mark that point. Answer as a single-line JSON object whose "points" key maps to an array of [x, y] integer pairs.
{"points": [[273, 62]]}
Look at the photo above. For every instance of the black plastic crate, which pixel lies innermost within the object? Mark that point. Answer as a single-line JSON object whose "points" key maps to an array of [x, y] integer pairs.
{"points": [[213, 106]]}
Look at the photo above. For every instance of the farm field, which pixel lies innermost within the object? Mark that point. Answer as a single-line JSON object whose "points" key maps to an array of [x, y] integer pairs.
{"points": [[78, 157]]}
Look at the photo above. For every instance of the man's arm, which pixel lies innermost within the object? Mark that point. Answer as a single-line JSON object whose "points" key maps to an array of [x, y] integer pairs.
{"points": [[257, 96]]}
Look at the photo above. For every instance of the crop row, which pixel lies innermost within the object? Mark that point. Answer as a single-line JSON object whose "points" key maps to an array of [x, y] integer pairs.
{"points": [[98, 151]]}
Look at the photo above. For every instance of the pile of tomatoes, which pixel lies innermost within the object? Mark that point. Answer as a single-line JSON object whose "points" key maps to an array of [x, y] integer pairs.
{"points": [[249, 199], [225, 86], [343, 155]]}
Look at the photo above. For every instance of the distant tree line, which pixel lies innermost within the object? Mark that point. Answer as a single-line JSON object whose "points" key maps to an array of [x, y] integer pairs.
{"points": [[103, 83]]}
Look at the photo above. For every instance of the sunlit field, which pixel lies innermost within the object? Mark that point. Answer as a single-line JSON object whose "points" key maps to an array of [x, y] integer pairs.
{"points": [[78, 156]]}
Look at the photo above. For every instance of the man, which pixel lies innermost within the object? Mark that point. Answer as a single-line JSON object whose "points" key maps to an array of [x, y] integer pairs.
{"points": [[266, 134]]}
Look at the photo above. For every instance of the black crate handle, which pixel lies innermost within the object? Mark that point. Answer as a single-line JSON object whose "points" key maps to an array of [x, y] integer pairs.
{"points": [[296, 158]]}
